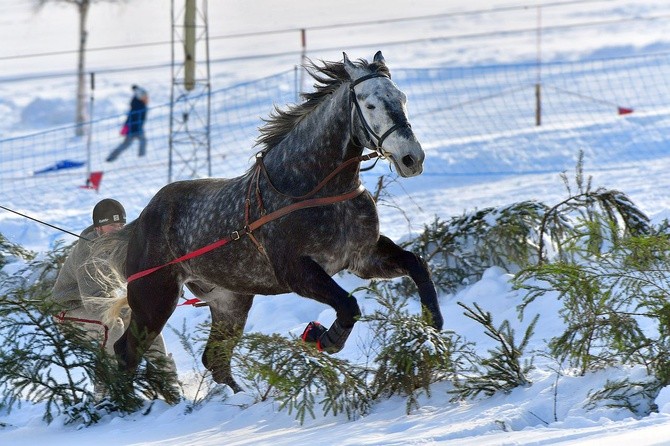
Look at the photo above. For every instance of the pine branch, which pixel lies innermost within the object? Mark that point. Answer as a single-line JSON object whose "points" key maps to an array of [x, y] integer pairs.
{"points": [[502, 371]]}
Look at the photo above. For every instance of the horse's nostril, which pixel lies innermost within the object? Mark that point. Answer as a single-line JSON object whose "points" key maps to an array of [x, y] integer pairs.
{"points": [[408, 161]]}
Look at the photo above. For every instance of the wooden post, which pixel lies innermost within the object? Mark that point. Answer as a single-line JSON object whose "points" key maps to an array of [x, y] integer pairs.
{"points": [[303, 58], [189, 45], [296, 86]]}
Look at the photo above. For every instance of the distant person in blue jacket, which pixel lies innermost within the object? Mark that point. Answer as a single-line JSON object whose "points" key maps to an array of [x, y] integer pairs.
{"points": [[134, 126]]}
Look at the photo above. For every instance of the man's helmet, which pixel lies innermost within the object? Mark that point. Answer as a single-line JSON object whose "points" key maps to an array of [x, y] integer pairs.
{"points": [[107, 212]]}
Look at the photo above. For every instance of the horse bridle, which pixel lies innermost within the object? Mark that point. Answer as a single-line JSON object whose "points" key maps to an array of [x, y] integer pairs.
{"points": [[307, 200], [369, 132]]}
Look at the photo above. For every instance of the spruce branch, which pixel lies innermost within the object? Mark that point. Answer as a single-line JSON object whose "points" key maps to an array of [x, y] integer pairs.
{"points": [[503, 370]]}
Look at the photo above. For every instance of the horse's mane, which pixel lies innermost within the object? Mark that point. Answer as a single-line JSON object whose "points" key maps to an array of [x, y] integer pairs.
{"points": [[329, 76]]}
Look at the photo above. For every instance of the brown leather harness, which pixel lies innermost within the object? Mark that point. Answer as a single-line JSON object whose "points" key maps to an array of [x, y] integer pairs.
{"points": [[305, 200]]}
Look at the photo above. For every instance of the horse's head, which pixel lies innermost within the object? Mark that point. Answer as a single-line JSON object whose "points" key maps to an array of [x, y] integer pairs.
{"points": [[379, 107]]}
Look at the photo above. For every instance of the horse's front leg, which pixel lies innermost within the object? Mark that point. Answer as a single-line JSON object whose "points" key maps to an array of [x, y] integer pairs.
{"points": [[306, 278], [388, 260]]}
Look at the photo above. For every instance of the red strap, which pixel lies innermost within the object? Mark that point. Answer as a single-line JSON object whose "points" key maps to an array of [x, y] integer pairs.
{"points": [[62, 317], [190, 255], [193, 302]]}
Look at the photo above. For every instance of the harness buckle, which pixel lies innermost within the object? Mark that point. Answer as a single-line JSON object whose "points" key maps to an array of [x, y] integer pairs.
{"points": [[236, 235]]}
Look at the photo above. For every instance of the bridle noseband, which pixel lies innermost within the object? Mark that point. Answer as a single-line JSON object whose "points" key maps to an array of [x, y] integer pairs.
{"points": [[369, 132]]}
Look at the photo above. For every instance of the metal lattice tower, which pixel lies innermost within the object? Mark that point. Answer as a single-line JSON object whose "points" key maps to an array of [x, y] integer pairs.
{"points": [[190, 152]]}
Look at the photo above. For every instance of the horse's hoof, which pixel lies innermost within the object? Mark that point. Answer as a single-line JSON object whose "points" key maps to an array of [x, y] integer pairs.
{"points": [[313, 332], [327, 340], [225, 378], [430, 304], [234, 386], [333, 340]]}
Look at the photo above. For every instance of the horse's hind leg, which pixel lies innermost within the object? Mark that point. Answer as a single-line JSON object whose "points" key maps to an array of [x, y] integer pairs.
{"points": [[229, 315], [152, 301], [387, 260]]}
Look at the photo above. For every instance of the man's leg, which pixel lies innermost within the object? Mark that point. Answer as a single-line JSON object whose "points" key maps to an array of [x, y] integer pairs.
{"points": [[90, 322], [143, 144], [123, 146], [167, 384], [158, 350]]}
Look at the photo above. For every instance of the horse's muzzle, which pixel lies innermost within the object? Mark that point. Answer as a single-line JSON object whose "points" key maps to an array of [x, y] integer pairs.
{"points": [[408, 165]]}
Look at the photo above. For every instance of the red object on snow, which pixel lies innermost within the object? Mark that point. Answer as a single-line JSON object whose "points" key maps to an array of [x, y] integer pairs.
{"points": [[93, 181], [624, 110], [195, 301]]}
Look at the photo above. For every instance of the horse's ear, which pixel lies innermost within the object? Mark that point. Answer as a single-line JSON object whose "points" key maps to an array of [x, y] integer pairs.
{"points": [[349, 67], [379, 58]]}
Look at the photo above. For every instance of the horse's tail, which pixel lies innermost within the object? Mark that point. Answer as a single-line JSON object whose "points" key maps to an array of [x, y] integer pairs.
{"points": [[108, 267], [116, 307]]}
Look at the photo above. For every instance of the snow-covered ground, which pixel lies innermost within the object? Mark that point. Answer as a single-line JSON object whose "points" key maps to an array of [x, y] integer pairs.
{"points": [[551, 411]]}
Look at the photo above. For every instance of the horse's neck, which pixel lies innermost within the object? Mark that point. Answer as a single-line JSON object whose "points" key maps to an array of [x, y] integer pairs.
{"points": [[318, 144]]}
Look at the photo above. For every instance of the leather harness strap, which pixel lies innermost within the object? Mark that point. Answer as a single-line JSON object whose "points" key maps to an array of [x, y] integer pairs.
{"points": [[310, 203], [369, 132], [62, 317], [318, 187]]}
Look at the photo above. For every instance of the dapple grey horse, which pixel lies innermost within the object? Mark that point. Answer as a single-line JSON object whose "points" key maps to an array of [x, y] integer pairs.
{"points": [[296, 218]]}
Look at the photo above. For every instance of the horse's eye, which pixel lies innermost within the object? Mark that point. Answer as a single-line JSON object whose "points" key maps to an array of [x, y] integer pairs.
{"points": [[370, 107]]}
